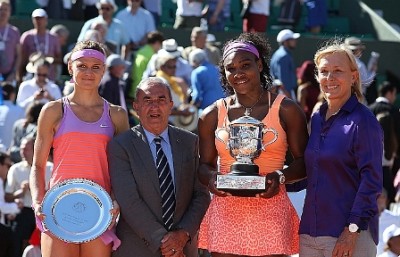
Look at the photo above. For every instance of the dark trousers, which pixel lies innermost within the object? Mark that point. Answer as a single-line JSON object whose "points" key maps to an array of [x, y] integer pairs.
{"points": [[388, 180], [22, 228], [6, 242]]}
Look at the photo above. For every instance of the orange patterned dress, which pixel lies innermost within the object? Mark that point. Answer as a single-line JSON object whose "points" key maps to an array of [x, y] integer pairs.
{"points": [[249, 225]]}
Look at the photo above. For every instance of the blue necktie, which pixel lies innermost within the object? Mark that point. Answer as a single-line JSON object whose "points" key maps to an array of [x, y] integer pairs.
{"points": [[166, 185]]}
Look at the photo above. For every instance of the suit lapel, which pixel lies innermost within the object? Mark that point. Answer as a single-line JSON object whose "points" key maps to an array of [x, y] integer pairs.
{"points": [[143, 150]]}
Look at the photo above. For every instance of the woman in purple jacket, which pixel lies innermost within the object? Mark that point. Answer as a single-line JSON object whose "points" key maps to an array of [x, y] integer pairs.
{"points": [[344, 164]]}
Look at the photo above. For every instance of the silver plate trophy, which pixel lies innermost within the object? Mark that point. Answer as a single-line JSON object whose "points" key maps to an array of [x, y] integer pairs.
{"points": [[77, 210], [245, 144]]}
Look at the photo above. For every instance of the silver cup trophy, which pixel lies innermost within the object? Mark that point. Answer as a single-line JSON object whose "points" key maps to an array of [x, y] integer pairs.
{"points": [[245, 144]]}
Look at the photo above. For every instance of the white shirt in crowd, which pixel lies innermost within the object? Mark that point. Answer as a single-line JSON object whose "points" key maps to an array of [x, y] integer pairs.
{"points": [[28, 89]]}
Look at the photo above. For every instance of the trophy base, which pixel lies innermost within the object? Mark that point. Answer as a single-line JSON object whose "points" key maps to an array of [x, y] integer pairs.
{"points": [[240, 185], [244, 169]]}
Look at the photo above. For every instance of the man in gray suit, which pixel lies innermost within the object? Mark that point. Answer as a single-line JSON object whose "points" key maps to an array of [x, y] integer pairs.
{"points": [[144, 228]]}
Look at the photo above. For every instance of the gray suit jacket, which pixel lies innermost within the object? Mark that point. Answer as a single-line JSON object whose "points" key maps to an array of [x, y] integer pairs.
{"points": [[134, 180]]}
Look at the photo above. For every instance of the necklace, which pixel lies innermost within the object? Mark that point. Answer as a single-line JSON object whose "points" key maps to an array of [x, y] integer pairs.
{"points": [[248, 110]]}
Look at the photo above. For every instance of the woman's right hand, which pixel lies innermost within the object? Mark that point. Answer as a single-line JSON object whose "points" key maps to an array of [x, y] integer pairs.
{"points": [[212, 186]]}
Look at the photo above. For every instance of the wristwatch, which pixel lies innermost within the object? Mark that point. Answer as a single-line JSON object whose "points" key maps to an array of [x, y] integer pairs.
{"points": [[353, 228], [282, 178]]}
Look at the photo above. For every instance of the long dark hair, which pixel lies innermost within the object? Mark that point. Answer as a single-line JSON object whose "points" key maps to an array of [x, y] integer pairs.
{"points": [[264, 49], [32, 113]]}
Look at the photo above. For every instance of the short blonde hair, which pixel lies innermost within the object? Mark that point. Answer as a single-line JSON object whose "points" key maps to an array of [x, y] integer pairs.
{"points": [[336, 46]]}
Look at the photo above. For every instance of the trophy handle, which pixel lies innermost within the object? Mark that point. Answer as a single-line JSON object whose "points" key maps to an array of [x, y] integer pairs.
{"points": [[220, 139], [265, 131]]}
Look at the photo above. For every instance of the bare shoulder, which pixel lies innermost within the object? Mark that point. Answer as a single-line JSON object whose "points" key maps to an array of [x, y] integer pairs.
{"points": [[209, 116], [119, 118], [289, 107], [52, 111], [290, 113]]}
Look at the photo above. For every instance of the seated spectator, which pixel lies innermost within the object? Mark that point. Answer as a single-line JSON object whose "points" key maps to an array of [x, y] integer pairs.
{"points": [[9, 113], [143, 23], [317, 15], [62, 33], [206, 87], [217, 13], [166, 66], [112, 86], [39, 88], [391, 238], [183, 68], [17, 187], [198, 38], [39, 40], [143, 57], [23, 128], [116, 37], [386, 218], [308, 88], [188, 14], [6, 242], [155, 8], [388, 116], [10, 50], [101, 27], [93, 35], [367, 74]]}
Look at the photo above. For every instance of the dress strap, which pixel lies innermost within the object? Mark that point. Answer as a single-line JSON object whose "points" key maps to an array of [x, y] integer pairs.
{"points": [[274, 108], [222, 112], [65, 104], [277, 104]]}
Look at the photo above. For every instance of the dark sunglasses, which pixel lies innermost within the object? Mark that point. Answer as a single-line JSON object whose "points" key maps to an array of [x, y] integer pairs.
{"points": [[105, 8], [41, 75]]}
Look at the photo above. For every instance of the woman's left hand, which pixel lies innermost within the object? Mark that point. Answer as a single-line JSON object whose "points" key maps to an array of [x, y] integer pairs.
{"points": [[345, 244], [271, 185], [115, 213]]}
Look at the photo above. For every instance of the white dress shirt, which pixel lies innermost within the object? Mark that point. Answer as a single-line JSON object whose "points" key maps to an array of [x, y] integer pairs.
{"points": [[18, 174], [9, 114], [6, 208]]}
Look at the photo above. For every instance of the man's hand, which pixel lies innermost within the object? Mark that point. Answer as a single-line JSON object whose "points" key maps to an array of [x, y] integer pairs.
{"points": [[173, 243], [25, 186], [115, 213], [345, 244], [19, 202]]}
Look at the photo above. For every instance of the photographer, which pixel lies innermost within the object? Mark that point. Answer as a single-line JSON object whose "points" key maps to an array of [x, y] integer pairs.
{"points": [[38, 88]]}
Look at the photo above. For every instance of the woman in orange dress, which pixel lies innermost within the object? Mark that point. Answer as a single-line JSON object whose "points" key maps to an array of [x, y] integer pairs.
{"points": [[265, 224]]}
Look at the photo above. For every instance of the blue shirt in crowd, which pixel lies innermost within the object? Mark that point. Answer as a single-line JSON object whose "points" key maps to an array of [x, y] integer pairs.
{"points": [[283, 68], [206, 85]]}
